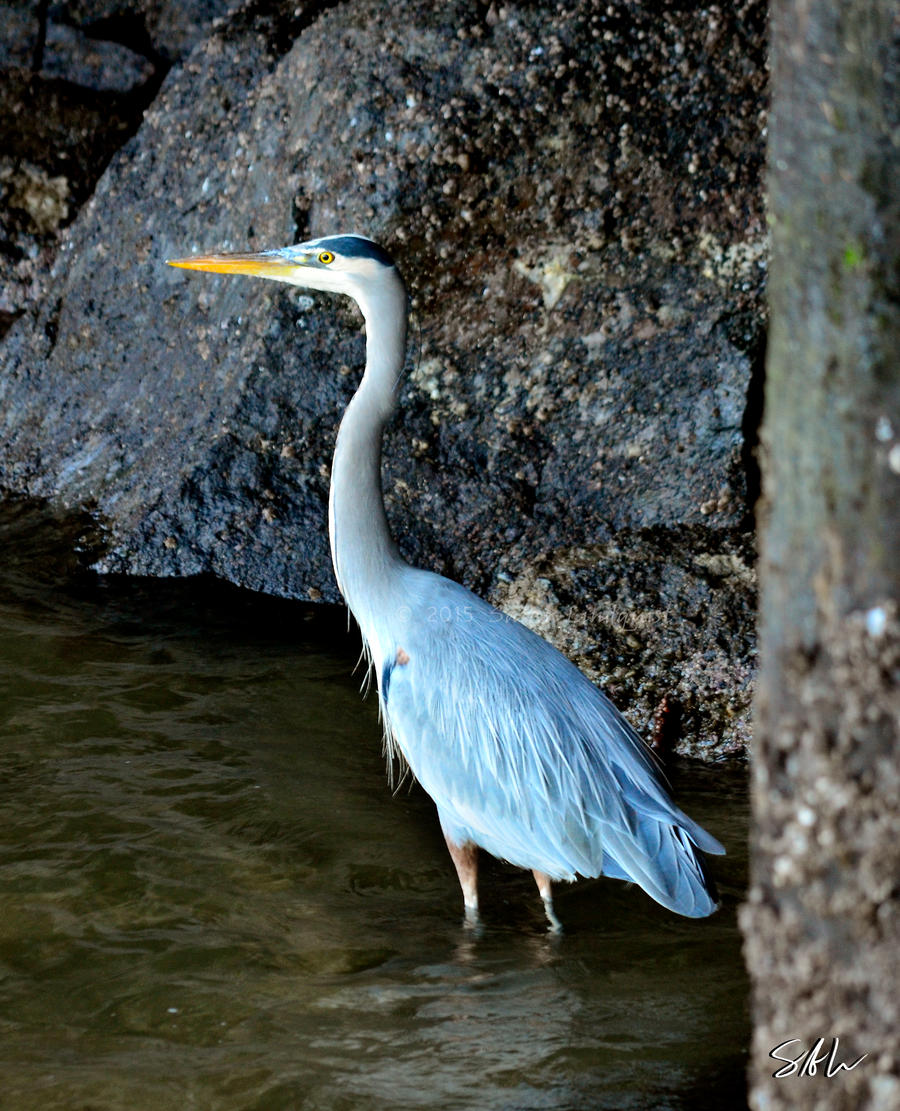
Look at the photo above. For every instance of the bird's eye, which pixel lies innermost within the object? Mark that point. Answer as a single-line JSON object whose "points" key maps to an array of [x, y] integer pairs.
{"points": [[326, 257]]}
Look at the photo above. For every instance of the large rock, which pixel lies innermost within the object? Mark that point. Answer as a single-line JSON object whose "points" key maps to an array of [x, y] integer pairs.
{"points": [[573, 196]]}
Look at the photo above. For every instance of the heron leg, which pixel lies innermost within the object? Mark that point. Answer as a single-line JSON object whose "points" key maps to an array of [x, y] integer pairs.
{"points": [[465, 860], [546, 892]]}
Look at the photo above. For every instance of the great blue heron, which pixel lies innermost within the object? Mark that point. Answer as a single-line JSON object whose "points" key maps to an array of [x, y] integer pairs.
{"points": [[522, 755]]}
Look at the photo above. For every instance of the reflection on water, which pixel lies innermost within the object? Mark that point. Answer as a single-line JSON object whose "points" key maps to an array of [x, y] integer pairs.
{"points": [[210, 899]]}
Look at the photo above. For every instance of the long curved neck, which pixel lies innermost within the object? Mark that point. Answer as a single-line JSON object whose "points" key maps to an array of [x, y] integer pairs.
{"points": [[362, 550]]}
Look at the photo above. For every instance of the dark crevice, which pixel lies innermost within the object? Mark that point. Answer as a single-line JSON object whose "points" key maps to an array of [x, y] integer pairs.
{"points": [[280, 25], [40, 43], [748, 334], [752, 422], [129, 30], [300, 217]]}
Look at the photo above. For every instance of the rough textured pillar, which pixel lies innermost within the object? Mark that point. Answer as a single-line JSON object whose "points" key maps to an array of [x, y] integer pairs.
{"points": [[821, 925]]}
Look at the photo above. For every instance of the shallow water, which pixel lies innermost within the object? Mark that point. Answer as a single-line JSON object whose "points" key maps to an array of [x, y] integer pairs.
{"points": [[209, 898]]}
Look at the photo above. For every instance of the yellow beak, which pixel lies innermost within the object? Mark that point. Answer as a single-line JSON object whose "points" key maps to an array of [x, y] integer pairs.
{"points": [[267, 265]]}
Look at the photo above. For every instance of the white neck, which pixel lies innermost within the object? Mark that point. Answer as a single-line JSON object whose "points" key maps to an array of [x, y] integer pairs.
{"points": [[365, 557]]}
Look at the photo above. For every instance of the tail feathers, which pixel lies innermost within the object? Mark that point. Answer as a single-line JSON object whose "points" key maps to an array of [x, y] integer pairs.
{"points": [[667, 813], [665, 863]]}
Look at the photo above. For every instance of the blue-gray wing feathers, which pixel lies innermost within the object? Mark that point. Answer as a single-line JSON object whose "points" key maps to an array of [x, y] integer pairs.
{"points": [[526, 758]]}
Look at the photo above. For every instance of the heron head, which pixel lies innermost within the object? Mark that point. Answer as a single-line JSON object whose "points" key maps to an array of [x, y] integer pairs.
{"points": [[348, 264]]}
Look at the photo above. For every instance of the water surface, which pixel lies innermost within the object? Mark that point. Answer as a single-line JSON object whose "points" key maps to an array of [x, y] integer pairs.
{"points": [[209, 897]]}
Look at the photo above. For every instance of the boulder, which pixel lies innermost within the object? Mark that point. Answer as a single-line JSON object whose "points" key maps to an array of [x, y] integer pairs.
{"points": [[573, 194]]}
